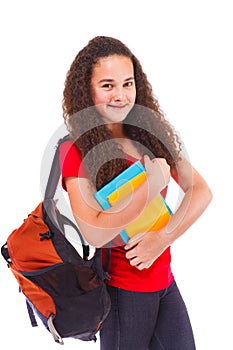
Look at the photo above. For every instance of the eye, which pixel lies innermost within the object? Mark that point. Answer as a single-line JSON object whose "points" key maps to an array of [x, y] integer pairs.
{"points": [[107, 86], [129, 84]]}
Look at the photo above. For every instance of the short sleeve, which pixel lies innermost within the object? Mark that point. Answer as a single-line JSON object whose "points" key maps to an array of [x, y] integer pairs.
{"points": [[70, 161]]}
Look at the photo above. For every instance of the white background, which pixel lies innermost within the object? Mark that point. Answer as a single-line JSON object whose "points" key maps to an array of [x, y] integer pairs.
{"points": [[185, 48]]}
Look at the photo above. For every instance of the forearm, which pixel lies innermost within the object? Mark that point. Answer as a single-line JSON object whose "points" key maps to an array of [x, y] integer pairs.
{"points": [[99, 226], [144, 249], [194, 203]]}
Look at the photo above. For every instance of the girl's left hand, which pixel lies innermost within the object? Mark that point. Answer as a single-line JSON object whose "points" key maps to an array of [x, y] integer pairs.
{"points": [[144, 249]]}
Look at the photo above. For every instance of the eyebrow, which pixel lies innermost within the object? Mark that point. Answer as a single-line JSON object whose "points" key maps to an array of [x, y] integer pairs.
{"points": [[111, 80]]}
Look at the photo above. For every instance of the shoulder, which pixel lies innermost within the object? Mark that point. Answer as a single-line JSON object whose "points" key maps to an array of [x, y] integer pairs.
{"points": [[69, 153], [68, 147], [70, 159]]}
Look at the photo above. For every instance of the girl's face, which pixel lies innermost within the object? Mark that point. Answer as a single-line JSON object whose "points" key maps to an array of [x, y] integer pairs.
{"points": [[113, 87]]}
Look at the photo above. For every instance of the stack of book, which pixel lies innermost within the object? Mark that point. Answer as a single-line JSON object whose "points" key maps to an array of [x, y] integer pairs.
{"points": [[155, 216]]}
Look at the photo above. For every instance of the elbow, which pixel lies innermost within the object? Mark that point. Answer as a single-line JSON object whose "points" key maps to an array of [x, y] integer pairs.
{"points": [[99, 245], [203, 190], [206, 195], [94, 239], [96, 243], [209, 195], [91, 234]]}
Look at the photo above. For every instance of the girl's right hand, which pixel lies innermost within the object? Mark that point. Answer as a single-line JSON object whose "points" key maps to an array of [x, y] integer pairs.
{"points": [[158, 173]]}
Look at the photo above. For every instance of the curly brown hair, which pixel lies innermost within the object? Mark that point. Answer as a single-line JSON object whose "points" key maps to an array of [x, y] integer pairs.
{"points": [[145, 123]]}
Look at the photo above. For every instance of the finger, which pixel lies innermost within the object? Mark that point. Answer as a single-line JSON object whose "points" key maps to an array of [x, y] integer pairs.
{"points": [[147, 162], [131, 254], [143, 265], [134, 240], [140, 266], [146, 158], [134, 262]]}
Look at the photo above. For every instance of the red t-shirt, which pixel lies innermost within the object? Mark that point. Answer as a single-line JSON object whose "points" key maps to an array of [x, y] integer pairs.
{"points": [[123, 275]]}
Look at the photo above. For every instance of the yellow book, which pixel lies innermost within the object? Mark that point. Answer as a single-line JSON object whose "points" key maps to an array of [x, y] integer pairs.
{"points": [[126, 189], [155, 216]]}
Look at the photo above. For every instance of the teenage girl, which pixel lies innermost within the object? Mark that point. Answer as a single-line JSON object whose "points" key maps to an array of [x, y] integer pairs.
{"points": [[114, 120]]}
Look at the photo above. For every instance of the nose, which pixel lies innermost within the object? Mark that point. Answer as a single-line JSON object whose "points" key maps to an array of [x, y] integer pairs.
{"points": [[119, 94]]}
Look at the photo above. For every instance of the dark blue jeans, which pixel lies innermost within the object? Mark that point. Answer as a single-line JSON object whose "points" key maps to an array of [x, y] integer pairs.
{"points": [[147, 321]]}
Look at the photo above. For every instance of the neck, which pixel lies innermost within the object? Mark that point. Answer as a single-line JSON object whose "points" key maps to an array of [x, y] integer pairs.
{"points": [[117, 130]]}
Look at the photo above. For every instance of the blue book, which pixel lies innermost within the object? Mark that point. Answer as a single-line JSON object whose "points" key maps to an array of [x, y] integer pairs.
{"points": [[128, 174]]}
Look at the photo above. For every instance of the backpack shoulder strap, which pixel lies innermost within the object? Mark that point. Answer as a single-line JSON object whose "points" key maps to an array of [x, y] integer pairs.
{"points": [[54, 176], [55, 171], [50, 190]]}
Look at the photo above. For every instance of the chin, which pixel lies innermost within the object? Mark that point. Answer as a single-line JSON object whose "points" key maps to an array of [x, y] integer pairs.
{"points": [[115, 115], [109, 119]]}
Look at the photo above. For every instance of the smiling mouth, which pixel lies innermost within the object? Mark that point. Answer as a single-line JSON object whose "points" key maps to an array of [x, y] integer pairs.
{"points": [[118, 106]]}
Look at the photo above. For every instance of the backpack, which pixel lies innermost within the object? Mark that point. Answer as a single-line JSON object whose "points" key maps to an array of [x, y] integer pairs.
{"points": [[66, 291]]}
